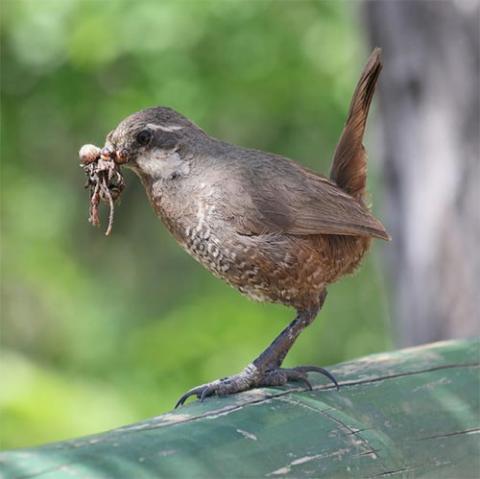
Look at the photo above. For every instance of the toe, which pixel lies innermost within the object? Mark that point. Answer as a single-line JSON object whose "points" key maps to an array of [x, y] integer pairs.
{"points": [[298, 376], [281, 376], [221, 387], [209, 390], [273, 377]]}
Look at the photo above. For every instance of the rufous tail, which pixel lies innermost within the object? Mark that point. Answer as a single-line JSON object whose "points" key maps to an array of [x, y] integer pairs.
{"points": [[349, 167]]}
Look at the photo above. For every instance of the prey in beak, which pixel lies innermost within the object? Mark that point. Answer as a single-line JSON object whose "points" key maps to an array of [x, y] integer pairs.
{"points": [[104, 180]]}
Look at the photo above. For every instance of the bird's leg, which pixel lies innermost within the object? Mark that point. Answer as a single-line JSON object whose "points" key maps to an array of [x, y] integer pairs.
{"points": [[274, 355], [265, 370]]}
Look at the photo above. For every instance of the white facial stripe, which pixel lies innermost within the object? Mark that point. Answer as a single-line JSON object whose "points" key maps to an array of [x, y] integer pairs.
{"points": [[153, 126]]}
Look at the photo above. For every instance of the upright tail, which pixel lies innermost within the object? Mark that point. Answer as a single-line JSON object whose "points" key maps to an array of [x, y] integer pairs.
{"points": [[349, 167]]}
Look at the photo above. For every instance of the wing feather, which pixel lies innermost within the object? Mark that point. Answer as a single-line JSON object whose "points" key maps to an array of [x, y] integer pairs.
{"points": [[276, 195]]}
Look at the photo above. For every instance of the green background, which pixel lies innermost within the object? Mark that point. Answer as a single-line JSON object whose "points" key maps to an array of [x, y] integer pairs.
{"points": [[97, 332]]}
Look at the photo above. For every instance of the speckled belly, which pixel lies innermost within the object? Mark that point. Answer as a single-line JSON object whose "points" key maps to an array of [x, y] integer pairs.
{"points": [[274, 268]]}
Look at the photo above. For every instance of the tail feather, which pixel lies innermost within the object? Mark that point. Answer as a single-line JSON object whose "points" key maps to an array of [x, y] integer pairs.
{"points": [[349, 167]]}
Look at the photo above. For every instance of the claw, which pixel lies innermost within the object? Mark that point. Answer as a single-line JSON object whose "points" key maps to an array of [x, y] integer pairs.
{"points": [[182, 400], [316, 369], [198, 391]]}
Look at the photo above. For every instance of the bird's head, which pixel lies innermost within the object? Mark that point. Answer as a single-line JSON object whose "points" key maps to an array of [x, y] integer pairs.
{"points": [[155, 143]]}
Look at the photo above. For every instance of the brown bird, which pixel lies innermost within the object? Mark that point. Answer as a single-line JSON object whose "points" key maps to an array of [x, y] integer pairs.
{"points": [[271, 228]]}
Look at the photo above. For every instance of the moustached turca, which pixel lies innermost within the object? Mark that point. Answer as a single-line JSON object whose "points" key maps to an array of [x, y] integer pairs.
{"points": [[271, 228]]}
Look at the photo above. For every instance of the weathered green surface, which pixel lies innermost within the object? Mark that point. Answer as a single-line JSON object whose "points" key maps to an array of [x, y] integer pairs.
{"points": [[412, 413]]}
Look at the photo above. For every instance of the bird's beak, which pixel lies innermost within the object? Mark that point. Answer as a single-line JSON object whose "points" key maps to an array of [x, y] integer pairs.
{"points": [[120, 157]]}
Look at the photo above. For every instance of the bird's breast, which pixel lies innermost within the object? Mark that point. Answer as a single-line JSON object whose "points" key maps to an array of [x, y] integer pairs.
{"points": [[201, 235]]}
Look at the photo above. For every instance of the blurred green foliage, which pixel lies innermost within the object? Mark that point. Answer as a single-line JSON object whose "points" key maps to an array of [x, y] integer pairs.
{"points": [[97, 331]]}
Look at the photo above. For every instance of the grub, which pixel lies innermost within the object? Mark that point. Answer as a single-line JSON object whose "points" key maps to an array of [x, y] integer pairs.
{"points": [[104, 181]]}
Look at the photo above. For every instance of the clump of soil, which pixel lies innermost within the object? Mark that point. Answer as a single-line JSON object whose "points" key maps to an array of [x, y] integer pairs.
{"points": [[104, 181]]}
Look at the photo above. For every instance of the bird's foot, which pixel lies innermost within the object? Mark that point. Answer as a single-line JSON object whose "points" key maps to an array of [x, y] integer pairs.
{"points": [[252, 377]]}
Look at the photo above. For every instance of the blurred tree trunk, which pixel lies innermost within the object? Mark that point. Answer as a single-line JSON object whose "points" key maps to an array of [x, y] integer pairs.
{"points": [[429, 113]]}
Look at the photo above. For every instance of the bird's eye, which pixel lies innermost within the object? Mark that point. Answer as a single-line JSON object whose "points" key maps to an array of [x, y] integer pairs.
{"points": [[143, 137]]}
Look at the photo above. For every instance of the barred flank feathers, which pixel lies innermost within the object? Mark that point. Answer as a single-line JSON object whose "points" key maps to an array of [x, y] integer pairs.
{"points": [[349, 167]]}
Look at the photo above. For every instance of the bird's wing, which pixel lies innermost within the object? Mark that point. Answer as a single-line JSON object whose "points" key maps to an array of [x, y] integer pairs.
{"points": [[275, 195]]}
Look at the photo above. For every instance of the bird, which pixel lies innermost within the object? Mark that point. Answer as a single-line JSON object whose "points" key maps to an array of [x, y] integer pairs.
{"points": [[273, 229]]}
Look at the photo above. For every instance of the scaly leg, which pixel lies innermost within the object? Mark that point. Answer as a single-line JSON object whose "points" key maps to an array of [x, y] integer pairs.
{"points": [[265, 370]]}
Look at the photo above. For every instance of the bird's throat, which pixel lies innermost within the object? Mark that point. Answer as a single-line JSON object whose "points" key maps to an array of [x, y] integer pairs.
{"points": [[161, 165]]}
